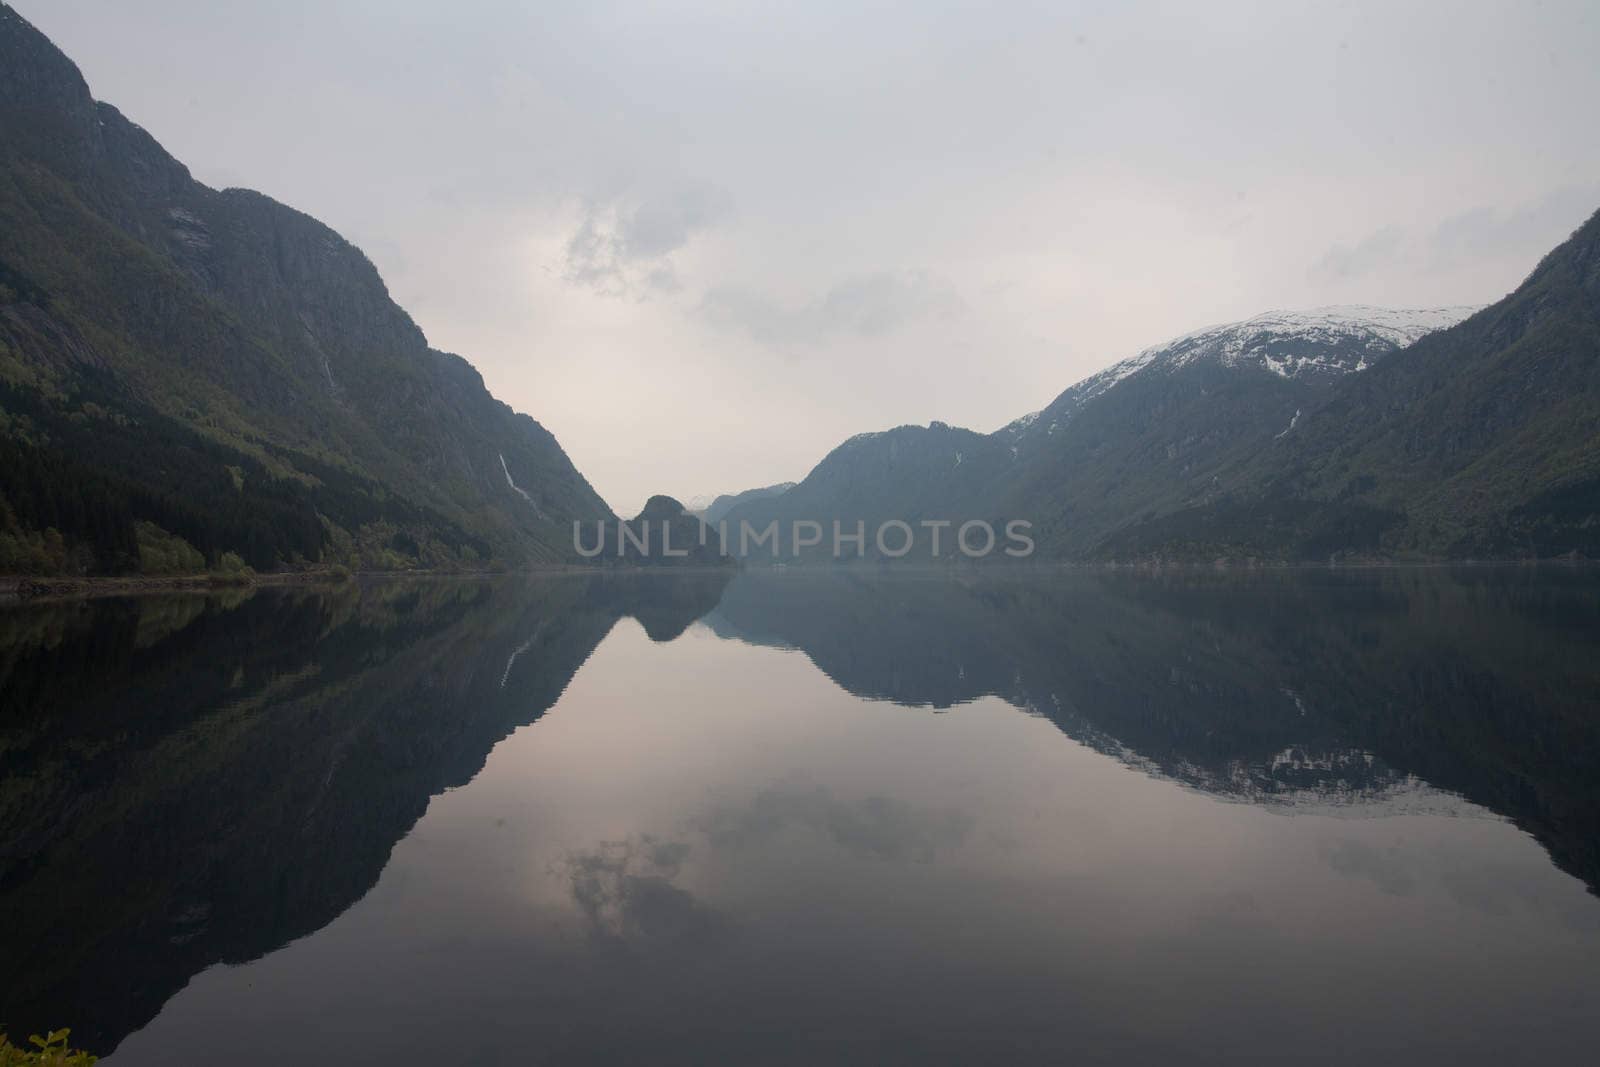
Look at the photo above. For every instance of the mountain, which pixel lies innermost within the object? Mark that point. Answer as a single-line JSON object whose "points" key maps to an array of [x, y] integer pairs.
{"points": [[1165, 428], [1148, 436], [1482, 440], [718, 508], [1347, 432], [663, 534], [909, 473], [190, 374]]}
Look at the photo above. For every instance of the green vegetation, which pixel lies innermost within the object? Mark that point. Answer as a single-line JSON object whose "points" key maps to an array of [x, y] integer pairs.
{"points": [[51, 1049], [163, 553], [94, 481]]}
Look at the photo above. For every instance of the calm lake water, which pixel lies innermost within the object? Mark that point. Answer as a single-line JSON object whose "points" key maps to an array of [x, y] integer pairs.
{"points": [[811, 818]]}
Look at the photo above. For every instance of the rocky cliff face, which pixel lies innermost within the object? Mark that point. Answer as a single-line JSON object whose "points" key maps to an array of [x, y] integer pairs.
{"points": [[255, 327]]}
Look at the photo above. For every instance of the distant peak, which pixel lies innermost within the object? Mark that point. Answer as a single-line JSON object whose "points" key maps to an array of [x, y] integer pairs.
{"points": [[661, 507]]}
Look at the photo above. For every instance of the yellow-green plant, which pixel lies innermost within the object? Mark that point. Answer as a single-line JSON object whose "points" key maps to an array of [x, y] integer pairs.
{"points": [[51, 1049]]}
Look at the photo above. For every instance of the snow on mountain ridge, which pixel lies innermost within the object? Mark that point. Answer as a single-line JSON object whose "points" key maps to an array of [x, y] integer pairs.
{"points": [[1397, 326], [1377, 329], [1335, 340]]}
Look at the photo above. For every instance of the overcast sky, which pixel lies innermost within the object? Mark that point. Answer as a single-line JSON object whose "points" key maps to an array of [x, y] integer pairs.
{"points": [[704, 243]]}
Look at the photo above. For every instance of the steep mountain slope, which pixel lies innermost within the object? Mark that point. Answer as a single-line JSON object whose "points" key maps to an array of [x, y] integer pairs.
{"points": [[1480, 440], [1150, 435], [180, 360]]}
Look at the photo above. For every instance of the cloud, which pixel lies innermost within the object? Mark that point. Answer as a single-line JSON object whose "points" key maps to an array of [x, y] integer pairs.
{"points": [[1389, 869], [626, 250], [1525, 232], [871, 305], [1350, 261], [626, 893], [1484, 234]]}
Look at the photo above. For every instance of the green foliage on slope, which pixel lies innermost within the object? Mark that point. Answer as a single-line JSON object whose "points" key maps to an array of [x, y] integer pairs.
{"points": [[228, 369]]}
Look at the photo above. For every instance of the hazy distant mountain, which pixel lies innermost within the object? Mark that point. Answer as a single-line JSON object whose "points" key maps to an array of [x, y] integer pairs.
{"points": [[1482, 440], [908, 473], [714, 511], [178, 360], [664, 533], [1148, 436]]}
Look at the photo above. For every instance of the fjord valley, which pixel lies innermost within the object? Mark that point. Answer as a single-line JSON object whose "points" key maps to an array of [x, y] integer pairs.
{"points": [[195, 379], [1030, 690]]}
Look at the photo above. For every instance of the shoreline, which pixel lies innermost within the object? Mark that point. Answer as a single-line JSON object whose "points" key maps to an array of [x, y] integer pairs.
{"points": [[30, 589], [18, 589]]}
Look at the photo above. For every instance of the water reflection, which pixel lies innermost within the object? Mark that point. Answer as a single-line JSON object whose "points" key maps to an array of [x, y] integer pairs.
{"points": [[1312, 689], [193, 780], [711, 849]]}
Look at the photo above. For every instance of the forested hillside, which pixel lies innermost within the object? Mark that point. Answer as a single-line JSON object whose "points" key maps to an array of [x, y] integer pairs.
{"points": [[199, 378]]}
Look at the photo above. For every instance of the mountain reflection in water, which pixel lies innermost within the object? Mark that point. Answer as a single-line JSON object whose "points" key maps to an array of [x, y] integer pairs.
{"points": [[711, 852]]}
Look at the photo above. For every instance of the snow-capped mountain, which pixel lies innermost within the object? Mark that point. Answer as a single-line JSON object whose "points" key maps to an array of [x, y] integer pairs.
{"points": [[1162, 430], [1290, 343], [1320, 344]]}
